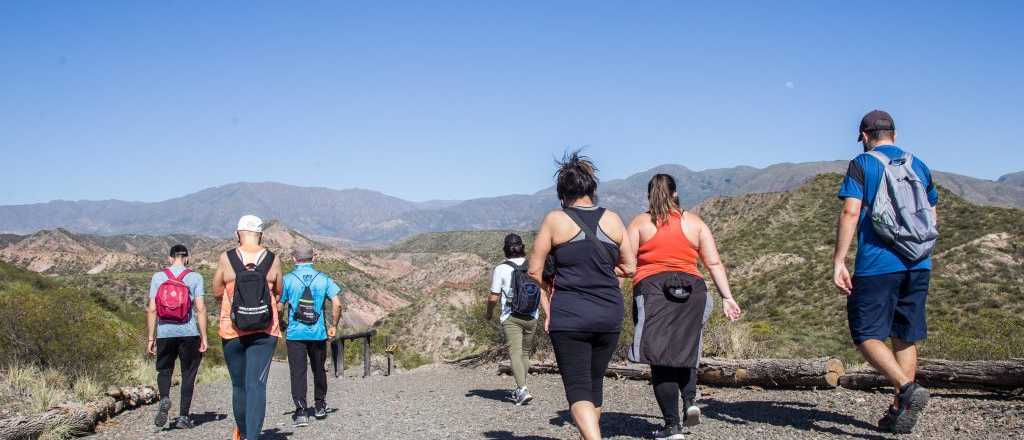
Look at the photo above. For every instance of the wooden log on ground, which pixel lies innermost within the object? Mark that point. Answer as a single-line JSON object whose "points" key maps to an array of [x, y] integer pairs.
{"points": [[938, 373], [768, 373], [78, 419]]}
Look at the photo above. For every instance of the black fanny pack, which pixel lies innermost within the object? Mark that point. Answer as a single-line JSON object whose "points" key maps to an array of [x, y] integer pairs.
{"points": [[680, 286]]}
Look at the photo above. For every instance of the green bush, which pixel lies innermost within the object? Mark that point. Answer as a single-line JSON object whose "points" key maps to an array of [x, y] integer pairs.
{"points": [[61, 329]]}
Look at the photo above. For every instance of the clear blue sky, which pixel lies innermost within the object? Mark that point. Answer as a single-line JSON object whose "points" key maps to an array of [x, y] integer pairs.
{"points": [[452, 100]]}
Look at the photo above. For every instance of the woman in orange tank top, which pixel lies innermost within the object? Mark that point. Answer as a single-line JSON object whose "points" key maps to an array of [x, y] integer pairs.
{"points": [[670, 299]]}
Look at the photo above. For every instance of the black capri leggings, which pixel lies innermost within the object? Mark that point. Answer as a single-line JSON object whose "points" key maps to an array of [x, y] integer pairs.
{"points": [[582, 361]]}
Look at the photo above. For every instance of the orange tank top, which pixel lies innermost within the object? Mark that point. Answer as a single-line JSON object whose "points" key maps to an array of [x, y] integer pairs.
{"points": [[226, 327], [668, 251]]}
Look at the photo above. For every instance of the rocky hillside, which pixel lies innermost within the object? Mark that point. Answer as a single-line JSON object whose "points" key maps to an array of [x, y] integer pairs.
{"points": [[371, 218]]}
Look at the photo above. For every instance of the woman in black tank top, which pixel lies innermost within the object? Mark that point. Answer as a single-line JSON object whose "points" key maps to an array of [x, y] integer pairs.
{"points": [[585, 311]]}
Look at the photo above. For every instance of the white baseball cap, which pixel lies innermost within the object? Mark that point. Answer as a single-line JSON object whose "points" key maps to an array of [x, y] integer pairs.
{"points": [[250, 223]]}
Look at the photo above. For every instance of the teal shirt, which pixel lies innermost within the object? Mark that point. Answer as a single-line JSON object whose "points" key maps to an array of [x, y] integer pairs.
{"points": [[321, 286]]}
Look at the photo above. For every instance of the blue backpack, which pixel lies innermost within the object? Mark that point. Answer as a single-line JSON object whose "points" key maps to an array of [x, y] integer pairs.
{"points": [[524, 296]]}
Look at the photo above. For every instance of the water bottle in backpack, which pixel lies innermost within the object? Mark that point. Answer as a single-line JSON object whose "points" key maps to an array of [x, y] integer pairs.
{"points": [[251, 303], [901, 214]]}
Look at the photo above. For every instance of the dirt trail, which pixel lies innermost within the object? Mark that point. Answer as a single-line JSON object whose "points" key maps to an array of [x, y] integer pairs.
{"points": [[442, 402]]}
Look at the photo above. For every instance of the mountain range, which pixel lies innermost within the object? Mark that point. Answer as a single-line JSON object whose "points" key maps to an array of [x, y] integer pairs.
{"points": [[363, 217]]}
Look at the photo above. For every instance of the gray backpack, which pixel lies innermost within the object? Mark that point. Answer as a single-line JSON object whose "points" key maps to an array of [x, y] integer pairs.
{"points": [[901, 214]]}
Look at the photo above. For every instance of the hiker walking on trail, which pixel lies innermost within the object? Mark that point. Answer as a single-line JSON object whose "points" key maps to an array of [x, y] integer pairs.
{"points": [[305, 292], [248, 281], [670, 298], [519, 297], [889, 201], [591, 250], [176, 325]]}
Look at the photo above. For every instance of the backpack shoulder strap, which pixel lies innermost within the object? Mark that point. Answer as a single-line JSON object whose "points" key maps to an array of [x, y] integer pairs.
{"points": [[183, 274], [267, 262], [511, 264], [591, 234], [236, 262], [881, 157], [169, 274]]}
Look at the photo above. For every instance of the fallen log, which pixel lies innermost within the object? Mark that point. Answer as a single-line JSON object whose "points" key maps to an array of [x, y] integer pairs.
{"points": [[938, 373], [77, 419], [767, 373]]}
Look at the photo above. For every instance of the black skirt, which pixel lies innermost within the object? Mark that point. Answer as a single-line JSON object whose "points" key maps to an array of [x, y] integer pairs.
{"points": [[667, 330]]}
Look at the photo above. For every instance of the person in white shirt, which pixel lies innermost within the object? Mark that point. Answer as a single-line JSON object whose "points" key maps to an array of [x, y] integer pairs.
{"points": [[519, 328]]}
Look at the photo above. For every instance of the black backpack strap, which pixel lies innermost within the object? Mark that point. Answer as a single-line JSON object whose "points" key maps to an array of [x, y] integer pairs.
{"points": [[591, 234], [511, 264], [236, 262]]}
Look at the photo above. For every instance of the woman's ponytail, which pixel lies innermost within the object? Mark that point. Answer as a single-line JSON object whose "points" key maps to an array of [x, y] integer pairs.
{"points": [[662, 198]]}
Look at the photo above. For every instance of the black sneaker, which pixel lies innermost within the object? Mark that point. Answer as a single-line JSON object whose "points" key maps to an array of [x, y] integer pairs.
{"points": [[184, 422], [913, 398], [300, 418], [161, 413], [321, 411], [886, 423], [669, 432]]}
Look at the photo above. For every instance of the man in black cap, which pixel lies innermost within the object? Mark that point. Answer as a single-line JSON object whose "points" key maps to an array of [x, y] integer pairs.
{"points": [[176, 324], [887, 293]]}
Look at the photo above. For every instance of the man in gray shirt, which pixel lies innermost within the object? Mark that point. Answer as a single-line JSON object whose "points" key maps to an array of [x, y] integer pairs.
{"points": [[173, 336]]}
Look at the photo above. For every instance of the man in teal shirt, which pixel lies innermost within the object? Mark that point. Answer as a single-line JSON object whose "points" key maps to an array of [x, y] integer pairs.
{"points": [[307, 330]]}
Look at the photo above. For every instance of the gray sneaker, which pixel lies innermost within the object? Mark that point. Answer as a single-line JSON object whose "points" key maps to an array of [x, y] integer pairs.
{"points": [[913, 398], [300, 418], [669, 432], [161, 413], [184, 422], [523, 396]]}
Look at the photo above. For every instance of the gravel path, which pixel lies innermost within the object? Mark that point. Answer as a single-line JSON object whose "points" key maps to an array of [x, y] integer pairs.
{"points": [[442, 402]]}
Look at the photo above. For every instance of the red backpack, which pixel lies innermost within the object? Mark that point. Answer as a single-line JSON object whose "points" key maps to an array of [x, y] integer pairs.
{"points": [[173, 299]]}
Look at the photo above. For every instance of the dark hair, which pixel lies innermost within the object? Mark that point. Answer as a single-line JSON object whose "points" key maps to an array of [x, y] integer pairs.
{"points": [[514, 247], [178, 250], [576, 177], [662, 198], [877, 135]]}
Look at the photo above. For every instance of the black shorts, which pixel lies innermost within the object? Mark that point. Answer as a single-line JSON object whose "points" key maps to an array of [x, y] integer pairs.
{"points": [[582, 361], [890, 305]]}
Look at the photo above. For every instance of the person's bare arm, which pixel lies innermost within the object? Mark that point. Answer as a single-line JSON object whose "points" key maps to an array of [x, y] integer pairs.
{"points": [[336, 310], [201, 320], [713, 261], [626, 266], [151, 327], [846, 227], [633, 233], [276, 278], [545, 303], [218, 277], [492, 302], [541, 247]]}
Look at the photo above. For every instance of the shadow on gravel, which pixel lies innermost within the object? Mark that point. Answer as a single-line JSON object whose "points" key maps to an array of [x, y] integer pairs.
{"points": [[506, 435], [275, 434], [207, 417], [499, 395], [799, 415], [616, 424]]}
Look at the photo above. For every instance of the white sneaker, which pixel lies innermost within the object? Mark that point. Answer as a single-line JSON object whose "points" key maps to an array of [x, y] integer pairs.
{"points": [[692, 416], [523, 396]]}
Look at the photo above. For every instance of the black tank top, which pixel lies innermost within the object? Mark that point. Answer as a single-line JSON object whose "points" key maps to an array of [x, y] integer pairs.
{"points": [[587, 296]]}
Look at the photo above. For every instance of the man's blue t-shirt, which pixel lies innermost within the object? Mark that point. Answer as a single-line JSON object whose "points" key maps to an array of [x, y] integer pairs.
{"points": [[874, 257], [321, 286]]}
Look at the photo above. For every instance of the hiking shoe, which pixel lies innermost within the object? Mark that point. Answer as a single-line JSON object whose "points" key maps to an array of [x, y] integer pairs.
{"points": [[912, 398], [513, 395], [888, 421], [523, 397], [300, 418], [161, 413], [184, 422], [669, 432], [321, 411], [692, 416]]}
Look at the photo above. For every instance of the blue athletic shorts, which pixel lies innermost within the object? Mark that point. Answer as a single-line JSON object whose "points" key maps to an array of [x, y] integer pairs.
{"points": [[889, 305]]}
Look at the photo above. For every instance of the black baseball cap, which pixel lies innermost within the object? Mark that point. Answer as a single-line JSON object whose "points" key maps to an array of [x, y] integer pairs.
{"points": [[875, 120], [178, 250]]}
